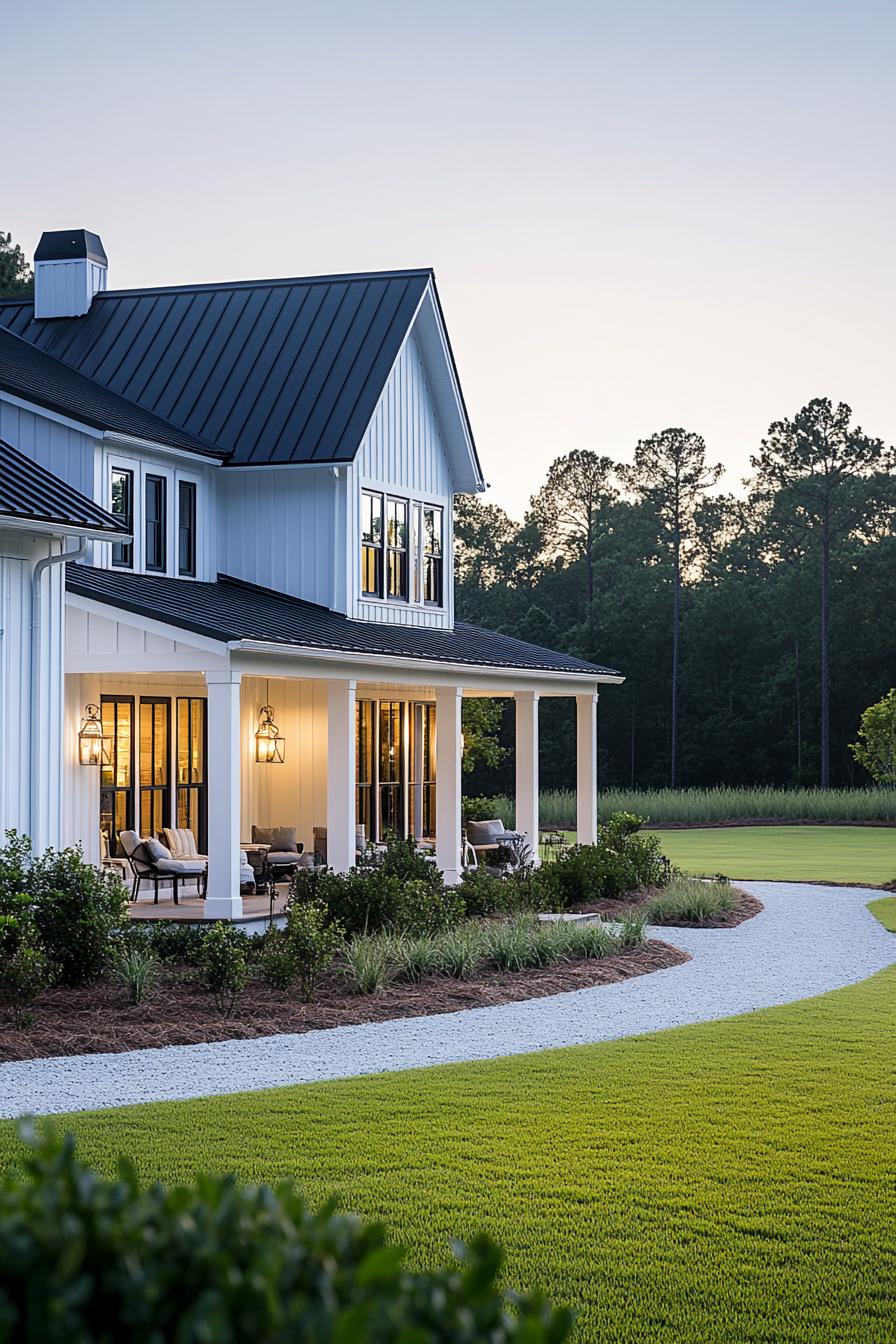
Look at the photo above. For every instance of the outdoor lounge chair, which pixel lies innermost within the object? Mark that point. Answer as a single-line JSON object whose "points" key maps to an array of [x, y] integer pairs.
{"points": [[153, 862], [182, 843], [285, 855], [493, 845]]}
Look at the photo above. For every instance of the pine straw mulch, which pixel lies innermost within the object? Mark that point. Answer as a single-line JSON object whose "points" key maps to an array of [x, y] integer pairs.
{"points": [[97, 1019], [745, 907]]}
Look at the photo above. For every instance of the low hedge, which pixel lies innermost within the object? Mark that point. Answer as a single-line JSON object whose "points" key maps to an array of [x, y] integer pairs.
{"points": [[88, 1260]]}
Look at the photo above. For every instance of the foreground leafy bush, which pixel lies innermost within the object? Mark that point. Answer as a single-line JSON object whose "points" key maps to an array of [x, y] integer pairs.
{"points": [[223, 967], [24, 969], [303, 949], [88, 1261]]}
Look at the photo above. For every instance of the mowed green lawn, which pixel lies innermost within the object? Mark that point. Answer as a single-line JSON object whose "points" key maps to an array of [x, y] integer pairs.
{"points": [[794, 853], [727, 1182]]}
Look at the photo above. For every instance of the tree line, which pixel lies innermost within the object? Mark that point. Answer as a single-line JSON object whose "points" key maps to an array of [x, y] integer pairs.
{"points": [[753, 629]]}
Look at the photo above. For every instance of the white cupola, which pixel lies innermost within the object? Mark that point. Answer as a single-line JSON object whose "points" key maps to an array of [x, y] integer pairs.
{"points": [[69, 268]]}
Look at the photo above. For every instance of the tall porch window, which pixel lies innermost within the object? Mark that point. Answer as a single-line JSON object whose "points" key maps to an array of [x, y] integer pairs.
{"points": [[422, 772], [155, 729], [192, 789], [117, 776], [365, 767], [391, 768]]}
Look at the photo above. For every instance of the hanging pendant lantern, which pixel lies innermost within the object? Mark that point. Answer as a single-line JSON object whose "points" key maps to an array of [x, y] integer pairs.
{"points": [[93, 745], [270, 747]]}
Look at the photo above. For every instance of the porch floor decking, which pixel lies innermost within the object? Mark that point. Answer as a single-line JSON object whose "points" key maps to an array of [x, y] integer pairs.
{"points": [[192, 908]]}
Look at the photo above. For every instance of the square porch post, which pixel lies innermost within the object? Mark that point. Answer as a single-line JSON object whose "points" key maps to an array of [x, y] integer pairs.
{"points": [[586, 769], [449, 727], [341, 697], [223, 899], [527, 767]]}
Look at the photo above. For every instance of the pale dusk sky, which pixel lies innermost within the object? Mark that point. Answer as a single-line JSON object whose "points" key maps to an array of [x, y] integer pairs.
{"points": [[639, 214]]}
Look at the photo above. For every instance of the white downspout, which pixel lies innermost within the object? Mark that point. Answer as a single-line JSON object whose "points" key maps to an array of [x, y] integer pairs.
{"points": [[36, 576]]}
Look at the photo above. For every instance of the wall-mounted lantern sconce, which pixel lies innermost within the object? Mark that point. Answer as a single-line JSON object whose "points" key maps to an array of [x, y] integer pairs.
{"points": [[270, 747], [93, 745]]}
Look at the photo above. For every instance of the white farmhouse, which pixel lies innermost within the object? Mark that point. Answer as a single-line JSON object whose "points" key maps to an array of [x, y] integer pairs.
{"points": [[226, 522]]}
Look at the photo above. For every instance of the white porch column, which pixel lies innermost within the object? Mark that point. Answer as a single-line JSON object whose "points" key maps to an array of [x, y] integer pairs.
{"points": [[527, 767], [223, 899], [586, 769], [449, 727], [341, 697]]}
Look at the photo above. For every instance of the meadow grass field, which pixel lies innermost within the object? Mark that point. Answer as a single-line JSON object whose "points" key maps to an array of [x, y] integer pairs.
{"points": [[714, 1184], [786, 853]]}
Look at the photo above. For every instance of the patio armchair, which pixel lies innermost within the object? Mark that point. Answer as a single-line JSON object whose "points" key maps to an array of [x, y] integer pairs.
{"points": [[182, 843], [285, 855], [153, 862], [493, 845]]}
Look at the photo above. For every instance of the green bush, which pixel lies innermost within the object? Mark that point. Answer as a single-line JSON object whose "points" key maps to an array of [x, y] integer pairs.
{"points": [[422, 908], [75, 908], [622, 860], [312, 941], [688, 898], [88, 1260], [24, 968], [521, 889], [222, 965]]}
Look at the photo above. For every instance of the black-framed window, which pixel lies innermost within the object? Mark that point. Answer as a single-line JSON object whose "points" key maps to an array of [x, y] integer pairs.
{"points": [[155, 523], [123, 509], [422, 771], [391, 773], [191, 778], [365, 767], [117, 772], [371, 544], [433, 560], [155, 764], [186, 529], [397, 549]]}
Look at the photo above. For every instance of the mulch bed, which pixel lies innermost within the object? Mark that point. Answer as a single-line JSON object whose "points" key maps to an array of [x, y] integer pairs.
{"points": [[745, 907], [97, 1019]]}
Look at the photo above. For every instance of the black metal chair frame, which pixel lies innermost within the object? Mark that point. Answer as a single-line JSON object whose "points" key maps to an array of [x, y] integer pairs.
{"points": [[149, 872]]}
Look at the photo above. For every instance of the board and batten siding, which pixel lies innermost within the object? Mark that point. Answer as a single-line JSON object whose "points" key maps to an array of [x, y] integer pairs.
{"points": [[402, 453], [284, 528], [67, 452]]}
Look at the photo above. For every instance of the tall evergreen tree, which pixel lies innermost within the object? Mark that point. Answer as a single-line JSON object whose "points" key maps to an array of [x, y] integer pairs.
{"points": [[826, 482], [670, 473], [16, 278]]}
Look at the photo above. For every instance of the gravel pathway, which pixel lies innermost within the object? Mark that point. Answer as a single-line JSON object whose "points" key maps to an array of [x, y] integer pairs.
{"points": [[808, 940]]}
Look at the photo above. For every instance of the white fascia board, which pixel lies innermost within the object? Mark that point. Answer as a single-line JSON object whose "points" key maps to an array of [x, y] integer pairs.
{"points": [[48, 529], [36, 409], [130, 441], [429, 672], [175, 633], [446, 391]]}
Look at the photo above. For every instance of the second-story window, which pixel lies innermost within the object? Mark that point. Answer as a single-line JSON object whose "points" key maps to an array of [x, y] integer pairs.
{"points": [[397, 549], [123, 509], [432, 556], [155, 524], [371, 544], [186, 529]]}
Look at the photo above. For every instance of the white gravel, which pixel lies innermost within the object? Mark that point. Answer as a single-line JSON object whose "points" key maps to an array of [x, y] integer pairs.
{"points": [[809, 939]]}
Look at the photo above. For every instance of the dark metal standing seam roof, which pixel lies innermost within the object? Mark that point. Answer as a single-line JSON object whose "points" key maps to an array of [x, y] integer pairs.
{"points": [[273, 371], [230, 610], [30, 492], [30, 373]]}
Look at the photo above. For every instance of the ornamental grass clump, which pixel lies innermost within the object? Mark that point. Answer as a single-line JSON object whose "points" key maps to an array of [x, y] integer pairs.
{"points": [[511, 945], [687, 898], [135, 967], [461, 951], [368, 963], [414, 958]]}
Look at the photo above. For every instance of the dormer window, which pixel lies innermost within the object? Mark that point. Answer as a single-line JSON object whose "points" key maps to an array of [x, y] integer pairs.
{"points": [[402, 550], [186, 529], [397, 549], [155, 524], [432, 556], [371, 544]]}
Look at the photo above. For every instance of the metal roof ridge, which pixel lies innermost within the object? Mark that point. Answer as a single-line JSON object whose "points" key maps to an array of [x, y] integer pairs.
{"points": [[345, 277]]}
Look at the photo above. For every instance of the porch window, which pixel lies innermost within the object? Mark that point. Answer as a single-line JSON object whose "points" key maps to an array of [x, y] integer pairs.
{"points": [[397, 549], [192, 793], [155, 524], [371, 544], [365, 760], [186, 529], [432, 556], [422, 772], [122, 495], [117, 776], [391, 768], [154, 765]]}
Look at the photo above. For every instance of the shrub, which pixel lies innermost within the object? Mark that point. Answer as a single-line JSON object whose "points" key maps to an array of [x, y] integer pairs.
{"points": [[24, 969], [223, 968], [521, 889], [311, 941], [424, 909], [368, 963], [135, 967], [622, 860], [77, 910], [91, 1259], [278, 967]]}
